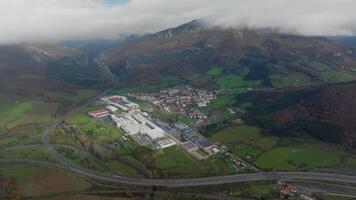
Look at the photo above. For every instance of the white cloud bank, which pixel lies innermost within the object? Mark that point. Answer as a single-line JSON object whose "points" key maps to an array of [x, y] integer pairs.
{"points": [[56, 20]]}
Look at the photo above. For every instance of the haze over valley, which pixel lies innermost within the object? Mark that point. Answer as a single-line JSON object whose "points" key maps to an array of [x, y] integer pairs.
{"points": [[162, 99]]}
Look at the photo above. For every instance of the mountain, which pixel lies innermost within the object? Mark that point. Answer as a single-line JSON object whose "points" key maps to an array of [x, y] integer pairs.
{"points": [[23, 67], [345, 40], [37, 69], [273, 59], [325, 112]]}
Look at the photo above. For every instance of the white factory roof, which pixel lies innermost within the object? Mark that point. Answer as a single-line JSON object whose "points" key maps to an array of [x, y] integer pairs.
{"points": [[137, 123], [112, 109], [165, 143], [120, 102]]}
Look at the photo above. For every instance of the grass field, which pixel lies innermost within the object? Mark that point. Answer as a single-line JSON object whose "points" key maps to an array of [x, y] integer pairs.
{"points": [[236, 84], [33, 180], [77, 97], [299, 157], [81, 159], [122, 168], [267, 152], [290, 80], [34, 153], [220, 103], [175, 162], [214, 71], [16, 111], [260, 191], [245, 141], [95, 128], [242, 133], [30, 134]]}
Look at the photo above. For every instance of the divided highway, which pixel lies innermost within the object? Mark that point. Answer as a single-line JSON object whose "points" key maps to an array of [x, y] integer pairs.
{"points": [[216, 180]]}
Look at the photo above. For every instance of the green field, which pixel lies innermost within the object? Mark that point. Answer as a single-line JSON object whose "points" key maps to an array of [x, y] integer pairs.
{"points": [[34, 180], [267, 153], [175, 161], [260, 191], [245, 140], [246, 135], [34, 153], [214, 71], [220, 103], [290, 80], [80, 95], [95, 128], [241, 133], [18, 111], [236, 84], [122, 168], [300, 157], [21, 173]]}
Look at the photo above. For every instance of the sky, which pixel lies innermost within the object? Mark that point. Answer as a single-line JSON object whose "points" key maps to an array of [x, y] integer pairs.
{"points": [[59, 20]]}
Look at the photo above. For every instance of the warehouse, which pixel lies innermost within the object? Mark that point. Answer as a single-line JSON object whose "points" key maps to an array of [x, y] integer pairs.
{"points": [[165, 143], [120, 102], [136, 123], [99, 113]]}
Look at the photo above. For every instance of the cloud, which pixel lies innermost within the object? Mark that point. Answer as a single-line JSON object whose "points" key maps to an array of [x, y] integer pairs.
{"points": [[57, 20]]}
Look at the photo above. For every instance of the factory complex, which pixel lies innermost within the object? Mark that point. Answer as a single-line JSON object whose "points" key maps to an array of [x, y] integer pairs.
{"points": [[153, 133]]}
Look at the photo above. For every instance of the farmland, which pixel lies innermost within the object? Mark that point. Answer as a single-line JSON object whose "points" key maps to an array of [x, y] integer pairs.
{"points": [[19, 111], [34, 180], [175, 162], [78, 96], [274, 153]]}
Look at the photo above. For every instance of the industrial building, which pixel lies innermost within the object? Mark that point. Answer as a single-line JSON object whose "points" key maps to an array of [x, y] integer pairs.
{"points": [[112, 109], [138, 126], [187, 132], [120, 102], [99, 113], [168, 129], [134, 123], [165, 143], [189, 146]]}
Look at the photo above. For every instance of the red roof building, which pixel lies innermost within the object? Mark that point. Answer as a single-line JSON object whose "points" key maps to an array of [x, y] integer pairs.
{"points": [[99, 113]]}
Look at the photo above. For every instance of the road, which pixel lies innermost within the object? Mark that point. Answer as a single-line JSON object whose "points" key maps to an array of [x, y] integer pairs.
{"points": [[67, 164], [238, 178]]}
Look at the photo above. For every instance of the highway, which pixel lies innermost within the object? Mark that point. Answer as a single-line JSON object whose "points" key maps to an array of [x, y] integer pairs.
{"points": [[67, 164], [238, 178]]}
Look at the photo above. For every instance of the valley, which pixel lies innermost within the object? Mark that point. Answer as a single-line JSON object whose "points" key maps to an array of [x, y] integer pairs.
{"points": [[261, 100]]}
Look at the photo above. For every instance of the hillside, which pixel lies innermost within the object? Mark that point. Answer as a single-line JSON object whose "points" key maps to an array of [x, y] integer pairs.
{"points": [[23, 67], [327, 113], [346, 40], [267, 58], [39, 69]]}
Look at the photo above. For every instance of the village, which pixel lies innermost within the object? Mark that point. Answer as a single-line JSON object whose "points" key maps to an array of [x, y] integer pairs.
{"points": [[181, 99], [154, 133]]}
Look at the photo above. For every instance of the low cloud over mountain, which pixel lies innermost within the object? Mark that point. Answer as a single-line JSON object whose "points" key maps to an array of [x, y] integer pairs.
{"points": [[56, 20]]}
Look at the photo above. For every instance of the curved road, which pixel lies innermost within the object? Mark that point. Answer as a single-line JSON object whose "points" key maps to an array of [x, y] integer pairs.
{"points": [[68, 165]]}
